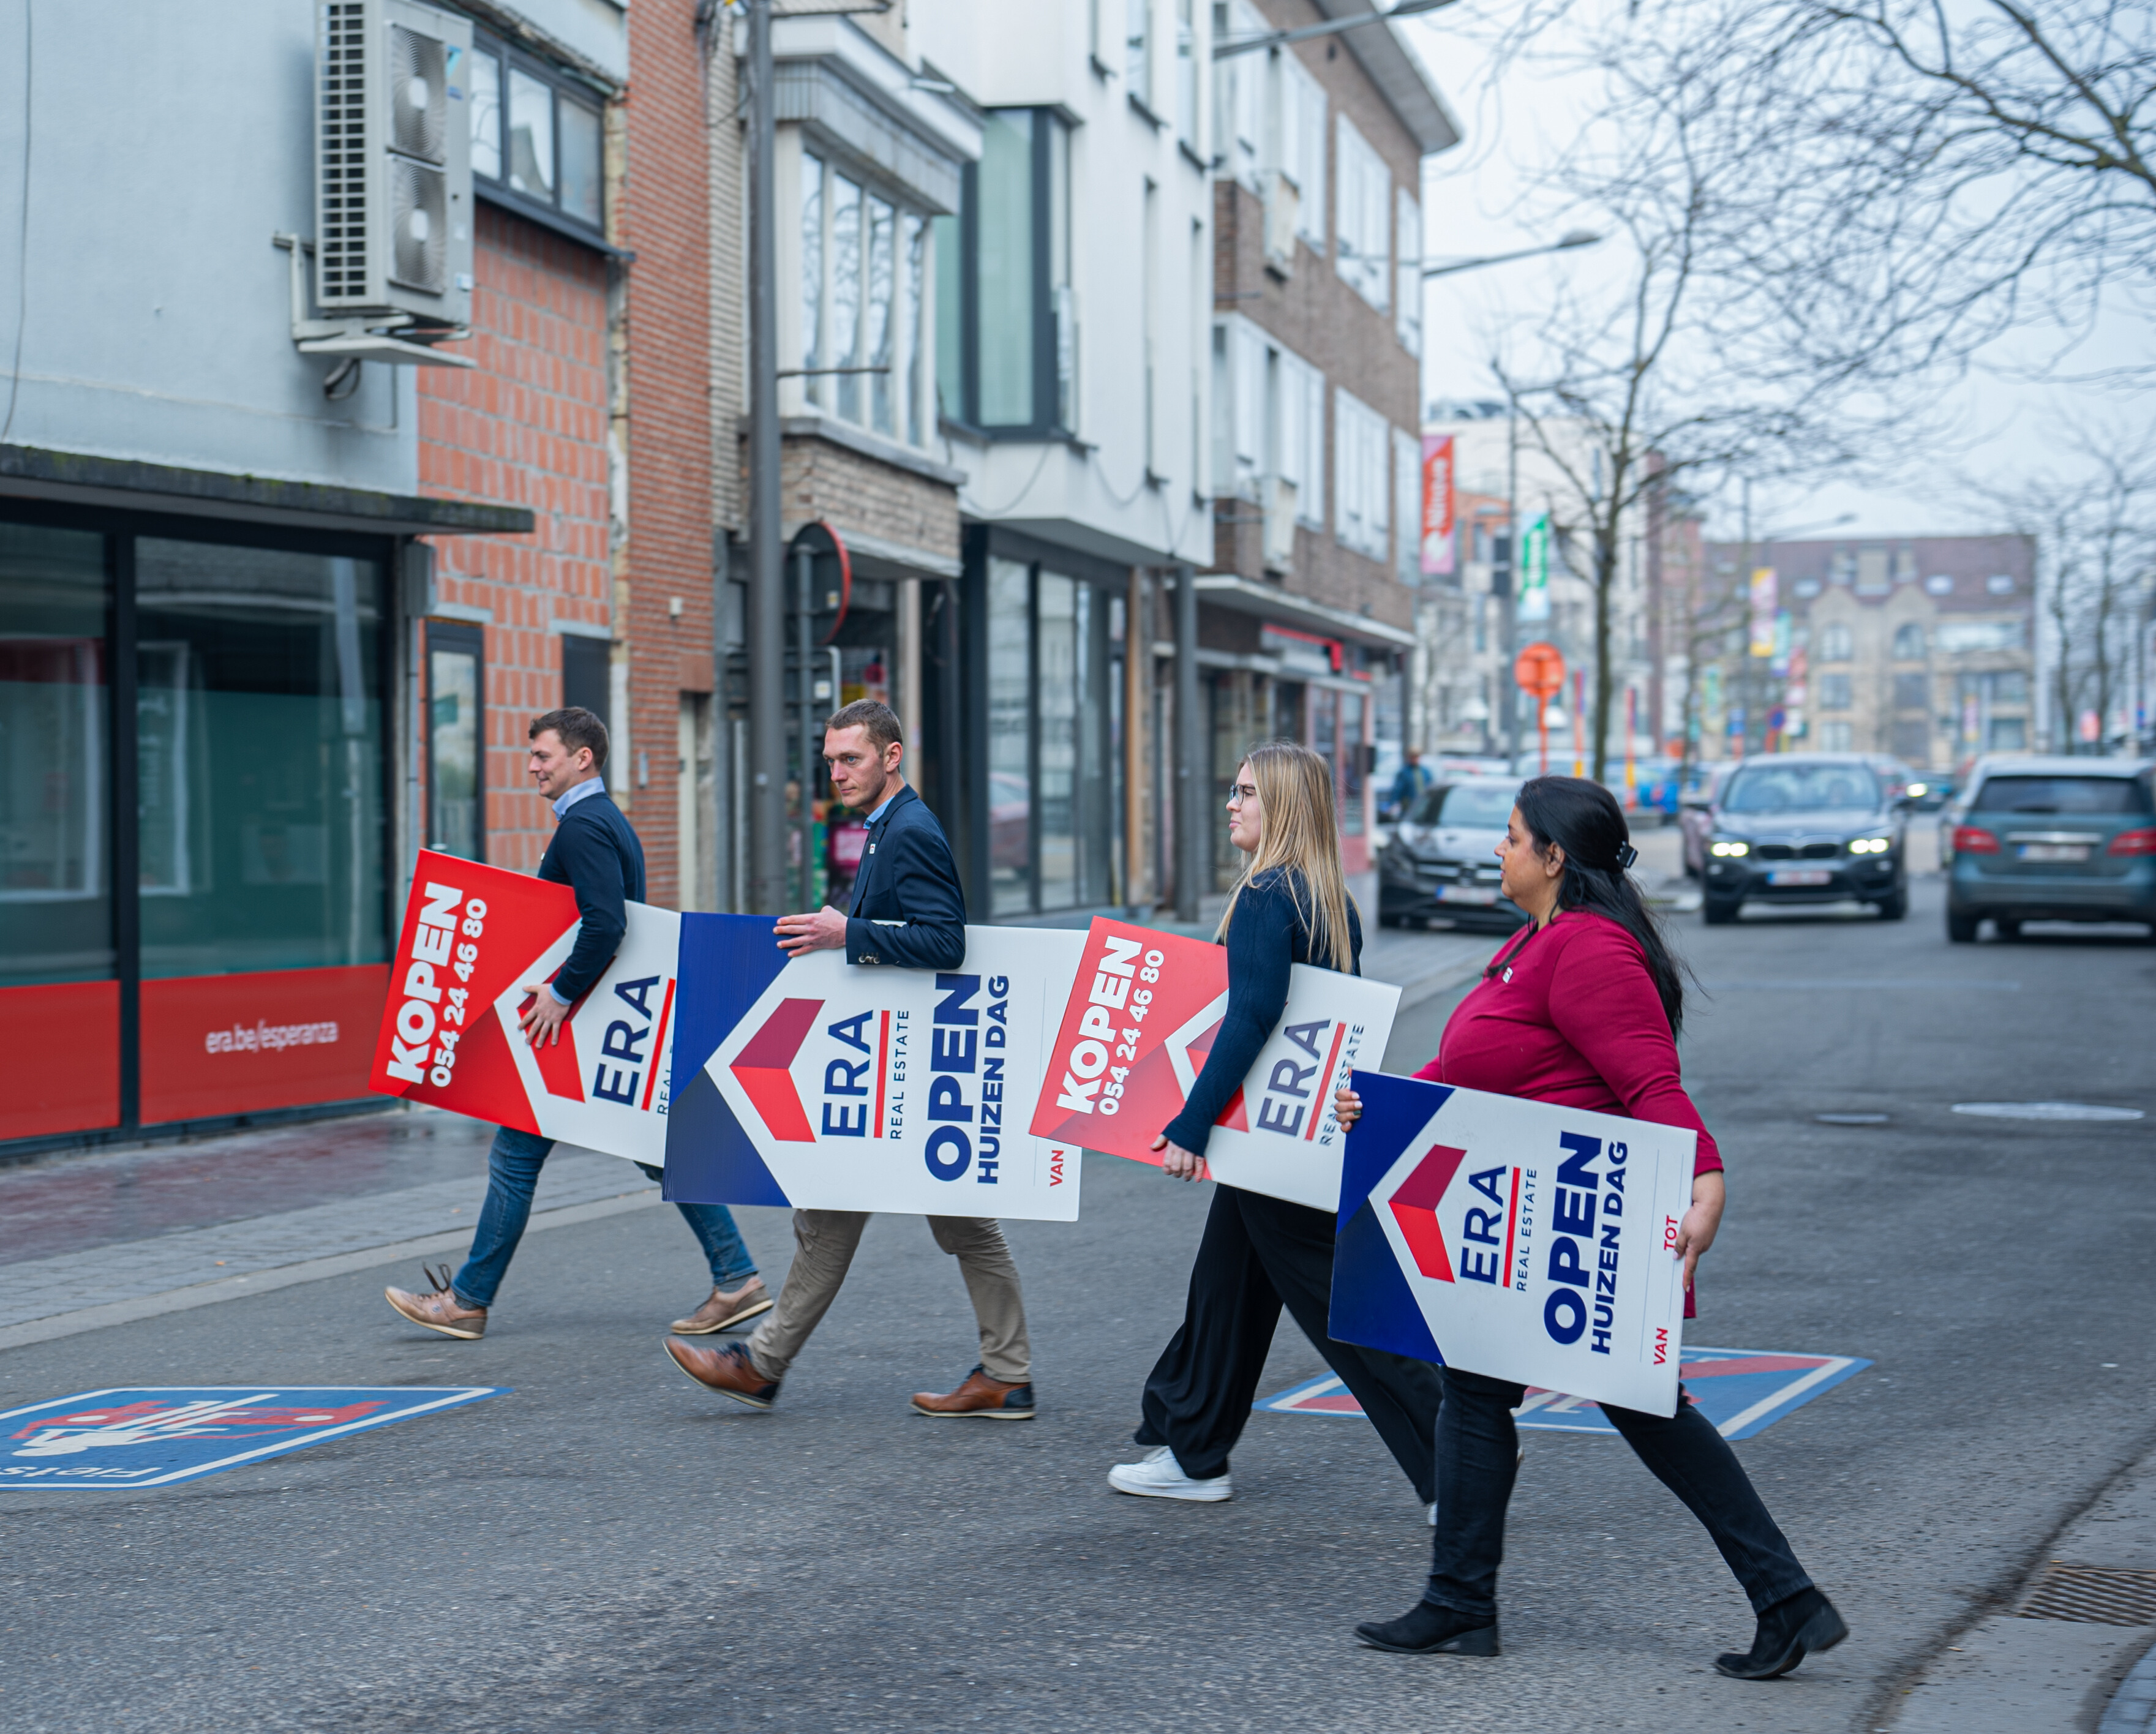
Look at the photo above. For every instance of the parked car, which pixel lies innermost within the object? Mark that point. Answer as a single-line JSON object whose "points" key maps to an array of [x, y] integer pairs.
{"points": [[1442, 858], [1658, 788], [1805, 828], [1696, 812], [2052, 839]]}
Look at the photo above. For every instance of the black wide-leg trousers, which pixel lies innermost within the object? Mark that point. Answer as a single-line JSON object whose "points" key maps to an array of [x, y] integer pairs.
{"points": [[1257, 1252], [1477, 1450]]}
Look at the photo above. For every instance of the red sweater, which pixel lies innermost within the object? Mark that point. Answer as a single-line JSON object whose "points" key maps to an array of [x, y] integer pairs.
{"points": [[1571, 1015]]}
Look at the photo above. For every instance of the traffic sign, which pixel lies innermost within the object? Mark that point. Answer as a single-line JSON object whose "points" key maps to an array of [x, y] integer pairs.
{"points": [[1539, 669]]}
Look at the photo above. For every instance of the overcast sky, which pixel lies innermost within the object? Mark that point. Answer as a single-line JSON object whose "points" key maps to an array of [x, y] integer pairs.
{"points": [[1471, 206]]}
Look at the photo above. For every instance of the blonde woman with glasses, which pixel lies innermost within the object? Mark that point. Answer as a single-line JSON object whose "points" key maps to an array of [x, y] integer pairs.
{"points": [[1291, 905]]}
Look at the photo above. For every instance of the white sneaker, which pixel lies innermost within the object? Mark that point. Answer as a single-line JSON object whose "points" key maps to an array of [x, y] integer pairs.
{"points": [[1160, 1476]]}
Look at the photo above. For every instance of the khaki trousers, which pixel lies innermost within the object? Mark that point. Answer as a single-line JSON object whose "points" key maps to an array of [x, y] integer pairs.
{"points": [[824, 1242]]}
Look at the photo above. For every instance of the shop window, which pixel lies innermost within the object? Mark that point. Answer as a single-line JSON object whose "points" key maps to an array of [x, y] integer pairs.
{"points": [[59, 997], [456, 743], [538, 139], [1008, 342], [1348, 772], [1053, 741], [259, 743]]}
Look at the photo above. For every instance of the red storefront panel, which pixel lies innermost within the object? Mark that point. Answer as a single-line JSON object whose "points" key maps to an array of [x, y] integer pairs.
{"points": [[66, 1043], [239, 1043]]}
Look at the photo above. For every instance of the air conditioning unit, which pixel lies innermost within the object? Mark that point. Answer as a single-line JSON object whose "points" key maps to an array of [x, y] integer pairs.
{"points": [[1280, 496], [394, 186], [1283, 202]]}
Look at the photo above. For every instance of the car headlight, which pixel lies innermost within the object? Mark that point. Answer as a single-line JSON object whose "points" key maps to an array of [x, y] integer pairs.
{"points": [[1730, 849], [1871, 845]]}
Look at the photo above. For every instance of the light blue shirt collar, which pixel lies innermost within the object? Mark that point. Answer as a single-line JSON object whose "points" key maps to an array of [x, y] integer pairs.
{"points": [[596, 786], [882, 808]]}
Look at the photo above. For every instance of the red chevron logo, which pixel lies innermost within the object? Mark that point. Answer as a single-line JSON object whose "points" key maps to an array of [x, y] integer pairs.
{"points": [[764, 1070], [1414, 1209]]}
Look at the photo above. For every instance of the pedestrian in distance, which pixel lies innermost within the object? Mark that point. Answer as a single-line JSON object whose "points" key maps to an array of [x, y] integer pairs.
{"points": [[1582, 1008], [908, 911], [596, 853], [1409, 782], [1290, 906]]}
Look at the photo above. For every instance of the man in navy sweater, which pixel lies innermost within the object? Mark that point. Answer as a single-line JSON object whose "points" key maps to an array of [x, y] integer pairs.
{"points": [[596, 853], [908, 911]]}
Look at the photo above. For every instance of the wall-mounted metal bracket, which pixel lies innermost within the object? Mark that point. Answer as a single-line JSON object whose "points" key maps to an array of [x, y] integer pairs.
{"points": [[383, 335]]}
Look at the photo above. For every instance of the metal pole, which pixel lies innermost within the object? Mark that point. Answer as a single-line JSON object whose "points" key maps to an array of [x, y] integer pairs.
{"points": [[1508, 607], [1189, 762], [811, 730], [766, 595]]}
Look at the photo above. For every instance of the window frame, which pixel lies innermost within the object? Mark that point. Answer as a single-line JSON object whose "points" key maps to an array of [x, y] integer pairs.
{"points": [[456, 638], [1055, 387], [563, 87]]}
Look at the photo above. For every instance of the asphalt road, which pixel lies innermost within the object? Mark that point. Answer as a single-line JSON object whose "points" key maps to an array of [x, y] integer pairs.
{"points": [[610, 1547]]}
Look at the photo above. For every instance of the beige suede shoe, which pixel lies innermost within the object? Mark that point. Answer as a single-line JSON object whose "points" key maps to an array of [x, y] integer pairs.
{"points": [[723, 1311], [438, 1308]]}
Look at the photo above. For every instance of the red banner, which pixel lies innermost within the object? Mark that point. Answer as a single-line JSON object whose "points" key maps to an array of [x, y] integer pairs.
{"points": [[275, 1039], [73, 1028], [1436, 505]]}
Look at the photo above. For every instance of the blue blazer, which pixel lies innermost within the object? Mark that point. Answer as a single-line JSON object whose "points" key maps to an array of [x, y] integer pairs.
{"points": [[596, 853], [908, 876]]}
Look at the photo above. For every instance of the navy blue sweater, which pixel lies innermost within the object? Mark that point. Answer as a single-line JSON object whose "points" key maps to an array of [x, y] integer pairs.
{"points": [[1269, 934], [596, 854]]}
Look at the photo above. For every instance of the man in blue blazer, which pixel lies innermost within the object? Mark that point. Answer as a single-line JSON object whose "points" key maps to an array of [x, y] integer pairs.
{"points": [[596, 853], [907, 911]]}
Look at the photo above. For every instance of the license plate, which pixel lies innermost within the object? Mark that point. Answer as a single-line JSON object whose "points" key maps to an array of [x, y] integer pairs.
{"points": [[1465, 894], [2055, 852], [1800, 876]]}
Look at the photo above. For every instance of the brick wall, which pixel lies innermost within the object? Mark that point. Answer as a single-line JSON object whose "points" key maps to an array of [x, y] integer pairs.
{"points": [[527, 426], [663, 217], [819, 479]]}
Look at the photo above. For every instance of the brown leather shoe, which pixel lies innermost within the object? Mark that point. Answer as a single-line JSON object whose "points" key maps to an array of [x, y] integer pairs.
{"points": [[723, 1311], [981, 1397], [727, 1370], [438, 1309]]}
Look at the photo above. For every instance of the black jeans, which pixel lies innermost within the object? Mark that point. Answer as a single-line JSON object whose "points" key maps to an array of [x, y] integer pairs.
{"points": [[1258, 1252], [1477, 1449]]}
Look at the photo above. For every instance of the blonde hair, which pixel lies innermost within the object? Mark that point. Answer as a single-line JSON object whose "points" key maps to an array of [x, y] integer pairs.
{"points": [[1301, 833]]}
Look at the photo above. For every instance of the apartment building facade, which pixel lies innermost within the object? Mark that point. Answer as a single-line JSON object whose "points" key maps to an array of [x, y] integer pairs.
{"points": [[1308, 606], [283, 572], [1922, 647]]}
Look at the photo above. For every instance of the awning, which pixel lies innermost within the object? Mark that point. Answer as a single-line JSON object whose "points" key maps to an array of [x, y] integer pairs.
{"points": [[75, 479], [1247, 596]]}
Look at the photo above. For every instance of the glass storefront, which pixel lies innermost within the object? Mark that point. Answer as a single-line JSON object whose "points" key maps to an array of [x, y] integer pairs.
{"points": [[59, 998], [221, 947], [1053, 740], [1329, 715], [456, 728]]}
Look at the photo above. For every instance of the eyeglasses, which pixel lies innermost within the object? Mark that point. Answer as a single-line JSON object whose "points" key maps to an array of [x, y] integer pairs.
{"points": [[1242, 792]]}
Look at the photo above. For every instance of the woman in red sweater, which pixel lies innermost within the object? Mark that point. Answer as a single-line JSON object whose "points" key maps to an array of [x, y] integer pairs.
{"points": [[1583, 1009]]}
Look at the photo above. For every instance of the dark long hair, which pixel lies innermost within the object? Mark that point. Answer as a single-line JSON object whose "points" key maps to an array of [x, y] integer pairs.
{"points": [[1583, 819]]}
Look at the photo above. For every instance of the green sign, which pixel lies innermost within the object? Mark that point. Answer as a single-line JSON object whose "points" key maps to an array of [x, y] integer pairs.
{"points": [[1534, 571]]}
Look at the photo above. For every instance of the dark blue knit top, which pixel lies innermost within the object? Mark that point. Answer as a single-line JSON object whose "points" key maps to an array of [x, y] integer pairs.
{"points": [[1269, 934]]}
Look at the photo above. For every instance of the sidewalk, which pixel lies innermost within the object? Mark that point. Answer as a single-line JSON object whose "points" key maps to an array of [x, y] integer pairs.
{"points": [[140, 1233], [2073, 1653]]}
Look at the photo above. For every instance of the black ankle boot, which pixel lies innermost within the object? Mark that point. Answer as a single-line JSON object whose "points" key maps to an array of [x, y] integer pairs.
{"points": [[1428, 1630], [1799, 1625]]}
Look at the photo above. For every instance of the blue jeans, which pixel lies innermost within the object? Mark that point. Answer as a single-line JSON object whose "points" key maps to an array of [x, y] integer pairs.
{"points": [[512, 1174], [1477, 1449]]}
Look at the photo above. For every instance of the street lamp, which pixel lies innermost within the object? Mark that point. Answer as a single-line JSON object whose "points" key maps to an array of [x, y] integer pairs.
{"points": [[1447, 268], [1232, 45]]}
